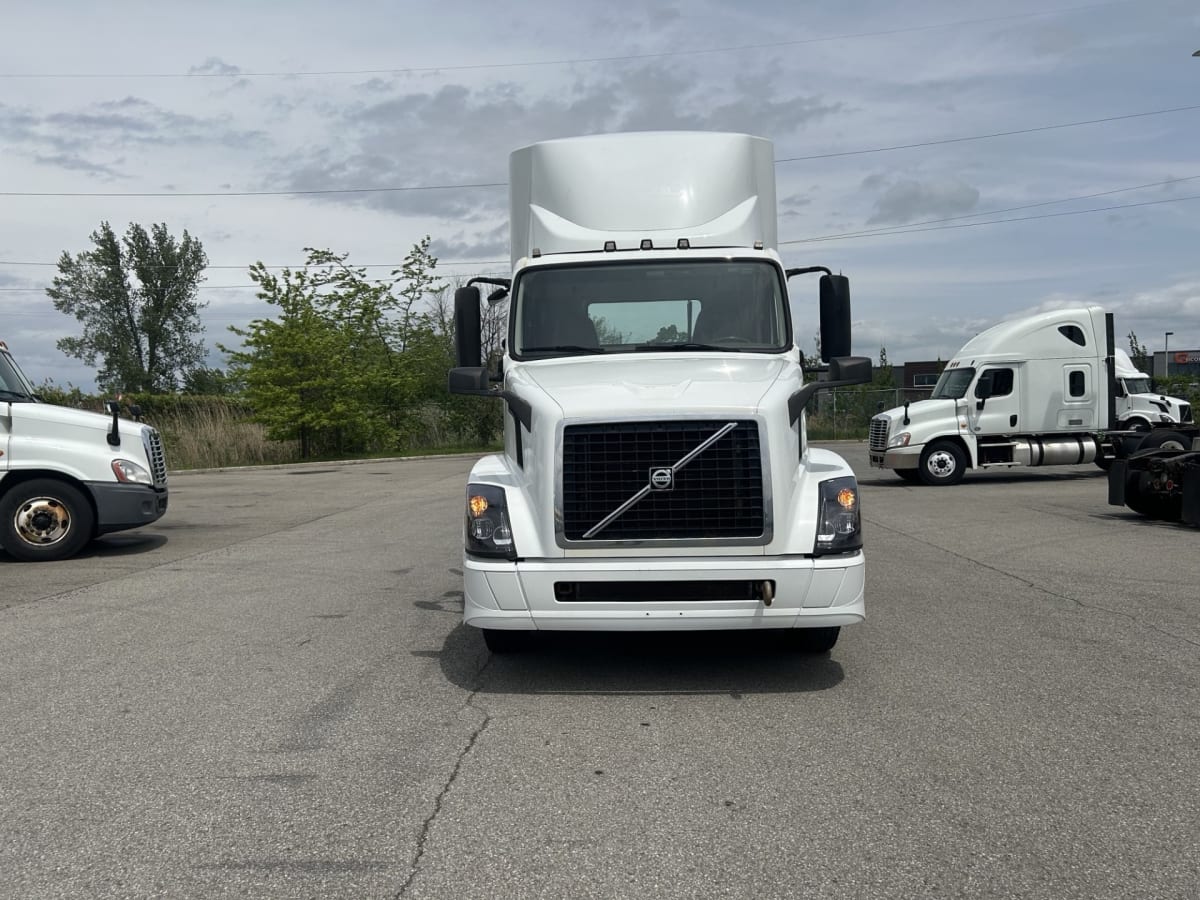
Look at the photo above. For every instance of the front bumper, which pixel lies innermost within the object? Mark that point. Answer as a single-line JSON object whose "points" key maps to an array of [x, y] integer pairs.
{"points": [[897, 458], [809, 593], [123, 506]]}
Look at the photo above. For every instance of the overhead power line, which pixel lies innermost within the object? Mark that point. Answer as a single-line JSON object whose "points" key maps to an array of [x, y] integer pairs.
{"points": [[884, 229], [234, 72], [296, 193], [1073, 212], [899, 230], [497, 184], [888, 229], [994, 134]]}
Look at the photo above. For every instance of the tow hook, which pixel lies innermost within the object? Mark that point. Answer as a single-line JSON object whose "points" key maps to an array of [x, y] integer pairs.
{"points": [[768, 592]]}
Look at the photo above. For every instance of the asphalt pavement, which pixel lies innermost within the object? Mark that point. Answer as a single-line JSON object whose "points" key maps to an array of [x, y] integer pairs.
{"points": [[269, 693]]}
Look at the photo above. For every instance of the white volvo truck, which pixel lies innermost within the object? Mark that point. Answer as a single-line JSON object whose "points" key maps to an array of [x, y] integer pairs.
{"points": [[67, 476], [656, 473], [1046, 389]]}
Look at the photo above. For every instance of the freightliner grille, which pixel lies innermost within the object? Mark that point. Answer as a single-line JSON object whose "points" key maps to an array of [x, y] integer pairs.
{"points": [[879, 433], [154, 452], [718, 494]]}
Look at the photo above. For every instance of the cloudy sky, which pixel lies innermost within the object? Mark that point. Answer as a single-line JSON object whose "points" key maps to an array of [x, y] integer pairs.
{"points": [[903, 134]]}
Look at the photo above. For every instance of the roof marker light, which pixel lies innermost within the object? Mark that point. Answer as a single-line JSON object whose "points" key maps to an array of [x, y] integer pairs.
{"points": [[647, 244], [758, 245], [683, 244], [535, 252], [610, 246]]}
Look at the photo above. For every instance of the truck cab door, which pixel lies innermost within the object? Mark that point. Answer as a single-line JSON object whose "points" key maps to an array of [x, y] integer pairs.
{"points": [[995, 403]]}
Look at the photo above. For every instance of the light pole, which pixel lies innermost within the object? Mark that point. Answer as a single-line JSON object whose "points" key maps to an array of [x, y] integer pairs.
{"points": [[1167, 351]]}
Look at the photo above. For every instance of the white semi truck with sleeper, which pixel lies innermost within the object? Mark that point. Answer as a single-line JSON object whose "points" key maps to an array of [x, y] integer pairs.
{"points": [[1046, 389], [656, 473], [68, 476]]}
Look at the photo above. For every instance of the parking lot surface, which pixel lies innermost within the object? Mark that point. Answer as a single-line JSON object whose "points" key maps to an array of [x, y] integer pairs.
{"points": [[269, 693]]}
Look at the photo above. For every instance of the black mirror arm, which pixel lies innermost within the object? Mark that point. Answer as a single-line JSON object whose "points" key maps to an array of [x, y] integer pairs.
{"points": [[799, 400], [807, 270]]}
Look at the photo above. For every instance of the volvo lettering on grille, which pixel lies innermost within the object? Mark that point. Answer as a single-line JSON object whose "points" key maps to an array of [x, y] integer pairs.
{"points": [[661, 478]]}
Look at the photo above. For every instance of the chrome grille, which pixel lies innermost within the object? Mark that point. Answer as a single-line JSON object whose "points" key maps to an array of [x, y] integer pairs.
{"points": [[879, 433], [718, 494], [152, 440], [1185, 412]]}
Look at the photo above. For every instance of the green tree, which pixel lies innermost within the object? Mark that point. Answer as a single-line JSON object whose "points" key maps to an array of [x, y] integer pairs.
{"points": [[883, 376], [136, 298], [1139, 354], [348, 364]]}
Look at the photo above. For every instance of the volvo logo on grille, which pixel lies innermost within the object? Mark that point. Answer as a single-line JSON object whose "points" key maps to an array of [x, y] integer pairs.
{"points": [[662, 479]]}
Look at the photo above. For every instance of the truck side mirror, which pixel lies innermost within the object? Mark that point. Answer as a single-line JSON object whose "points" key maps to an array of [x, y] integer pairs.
{"points": [[468, 339], [468, 380], [835, 317], [983, 389]]}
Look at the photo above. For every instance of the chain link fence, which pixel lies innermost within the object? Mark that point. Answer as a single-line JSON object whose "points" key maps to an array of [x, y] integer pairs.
{"points": [[845, 413]]}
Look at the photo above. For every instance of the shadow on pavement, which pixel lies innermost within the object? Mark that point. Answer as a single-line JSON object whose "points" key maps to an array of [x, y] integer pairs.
{"points": [[734, 663]]}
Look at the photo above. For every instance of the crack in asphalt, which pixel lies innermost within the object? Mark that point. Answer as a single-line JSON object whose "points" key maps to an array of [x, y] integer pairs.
{"points": [[1037, 587], [427, 825]]}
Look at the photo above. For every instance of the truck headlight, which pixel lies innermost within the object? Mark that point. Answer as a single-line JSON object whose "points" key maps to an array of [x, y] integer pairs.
{"points": [[1163, 417], [130, 472], [488, 532], [839, 525], [899, 440]]}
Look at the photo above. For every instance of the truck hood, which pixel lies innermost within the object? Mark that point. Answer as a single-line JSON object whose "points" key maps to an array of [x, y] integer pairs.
{"points": [[925, 417], [654, 383], [49, 414], [1161, 405]]}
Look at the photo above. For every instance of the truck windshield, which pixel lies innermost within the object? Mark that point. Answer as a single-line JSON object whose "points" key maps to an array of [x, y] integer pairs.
{"points": [[953, 384], [630, 307], [13, 383], [1137, 385]]}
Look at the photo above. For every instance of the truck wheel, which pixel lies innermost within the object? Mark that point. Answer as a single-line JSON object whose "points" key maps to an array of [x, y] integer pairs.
{"points": [[43, 520], [815, 640], [1165, 440], [942, 463], [501, 641]]}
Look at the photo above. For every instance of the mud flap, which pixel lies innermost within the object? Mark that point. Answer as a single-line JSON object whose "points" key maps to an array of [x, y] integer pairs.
{"points": [[1116, 482], [1191, 496]]}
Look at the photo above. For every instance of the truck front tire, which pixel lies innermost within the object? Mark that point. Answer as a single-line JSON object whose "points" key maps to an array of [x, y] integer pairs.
{"points": [[44, 520], [815, 640], [943, 463], [500, 641]]}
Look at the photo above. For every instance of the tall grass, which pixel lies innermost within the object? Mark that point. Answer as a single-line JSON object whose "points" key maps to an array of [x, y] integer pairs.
{"points": [[215, 435]]}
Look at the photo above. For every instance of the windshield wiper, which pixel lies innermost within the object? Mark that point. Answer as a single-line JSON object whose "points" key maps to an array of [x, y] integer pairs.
{"points": [[684, 345], [561, 348]]}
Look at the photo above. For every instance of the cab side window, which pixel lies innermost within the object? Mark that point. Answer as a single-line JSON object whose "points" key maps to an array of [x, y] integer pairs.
{"points": [[1000, 381]]}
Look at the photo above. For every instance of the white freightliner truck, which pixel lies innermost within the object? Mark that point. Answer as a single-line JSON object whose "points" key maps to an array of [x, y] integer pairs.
{"points": [[656, 473], [1046, 389], [67, 476]]}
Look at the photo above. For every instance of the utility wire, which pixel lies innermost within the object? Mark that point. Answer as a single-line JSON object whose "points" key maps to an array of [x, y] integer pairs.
{"points": [[496, 184], [297, 193], [892, 233], [887, 229], [632, 57], [994, 134], [1074, 212]]}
